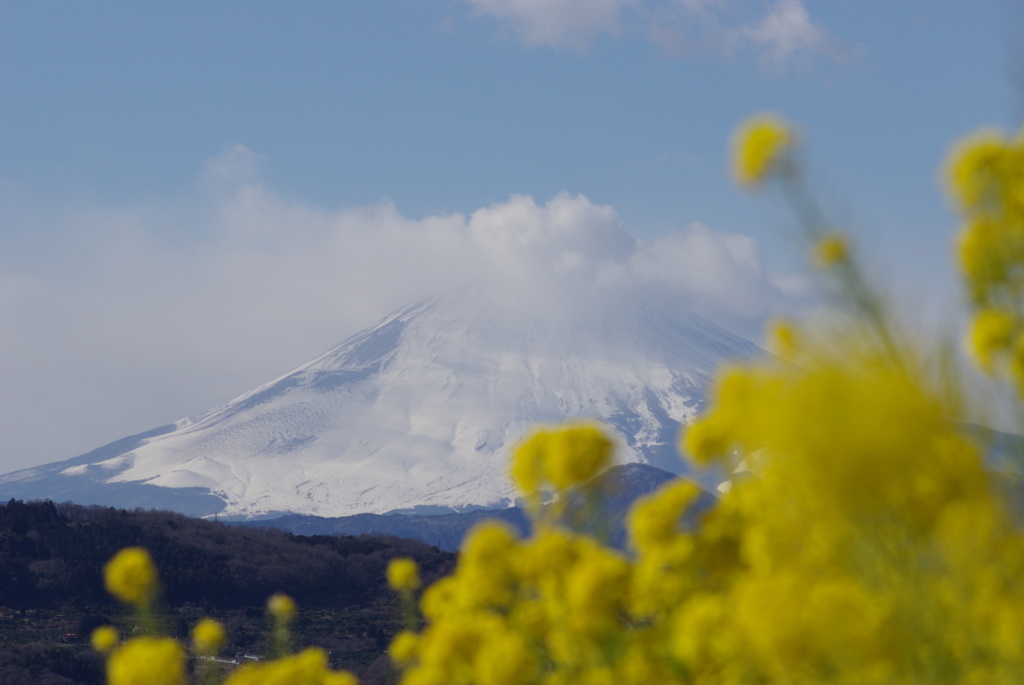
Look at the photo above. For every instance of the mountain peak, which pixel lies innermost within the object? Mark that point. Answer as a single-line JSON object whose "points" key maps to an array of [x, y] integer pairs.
{"points": [[419, 410]]}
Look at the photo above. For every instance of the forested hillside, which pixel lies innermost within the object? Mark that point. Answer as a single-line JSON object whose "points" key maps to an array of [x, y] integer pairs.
{"points": [[52, 596]]}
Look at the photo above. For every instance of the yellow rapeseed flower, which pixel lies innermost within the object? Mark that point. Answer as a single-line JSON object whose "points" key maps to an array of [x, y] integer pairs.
{"points": [[505, 659], [452, 645], [528, 463], [403, 575], [131, 576], [782, 338], [281, 607], [489, 543], [987, 255], [991, 332], [439, 600], [654, 520], [404, 648], [550, 551], [697, 623], [596, 585], [208, 637], [1017, 364], [309, 667], [425, 675], [985, 176], [867, 542], [561, 457], [104, 639], [576, 453], [147, 661], [486, 566], [830, 250], [705, 440], [758, 146], [974, 168]]}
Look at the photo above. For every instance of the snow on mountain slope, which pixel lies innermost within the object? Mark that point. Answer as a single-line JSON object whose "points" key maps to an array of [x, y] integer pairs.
{"points": [[415, 413]]}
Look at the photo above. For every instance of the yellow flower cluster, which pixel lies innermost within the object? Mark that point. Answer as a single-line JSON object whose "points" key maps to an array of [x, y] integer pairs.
{"points": [[848, 542], [131, 576], [403, 575], [865, 546], [147, 659], [281, 607], [759, 146], [208, 637], [513, 608], [305, 668], [104, 639], [561, 458], [985, 177], [832, 249], [860, 538]]}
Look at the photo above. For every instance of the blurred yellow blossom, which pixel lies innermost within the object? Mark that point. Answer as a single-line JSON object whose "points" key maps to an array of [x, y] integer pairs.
{"points": [[208, 636], [147, 661], [783, 338], [281, 607], [758, 145], [975, 168], [403, 574], [104, 639], [991, 332], [985, 177], [655, 520], [861, 540], [831, 249], [561, 457], [131, 576], [506, 658], [306, 668], [986, 256], [404, 647], [527, 469], [577, 453]]}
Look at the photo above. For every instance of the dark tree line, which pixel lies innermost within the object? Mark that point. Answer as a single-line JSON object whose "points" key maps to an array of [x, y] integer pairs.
{"points": [[50, 554], [41, 664], [52, 595]]}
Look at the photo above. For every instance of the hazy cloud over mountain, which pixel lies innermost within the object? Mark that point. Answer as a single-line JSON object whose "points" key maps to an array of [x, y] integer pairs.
{"points": [[165, 327]]}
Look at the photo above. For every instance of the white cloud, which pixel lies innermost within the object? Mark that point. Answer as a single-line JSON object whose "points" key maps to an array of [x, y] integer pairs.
{"points": [[158, 311], [787, 36], [235, 164], [556, 23], [567, 233], [718, 271], [784, 37]]}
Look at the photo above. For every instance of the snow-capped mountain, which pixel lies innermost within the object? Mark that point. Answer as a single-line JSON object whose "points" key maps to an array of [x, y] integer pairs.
{"points": [[418, 412]]}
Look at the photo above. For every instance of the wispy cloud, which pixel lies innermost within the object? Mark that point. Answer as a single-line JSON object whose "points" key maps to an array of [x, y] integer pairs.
{"points": [[558, 23], [780, 35], [787, 36], [236, 164], [155, 311]]}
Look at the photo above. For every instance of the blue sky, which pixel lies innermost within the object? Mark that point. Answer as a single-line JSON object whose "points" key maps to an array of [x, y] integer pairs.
{"points": [[197, 196]]}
